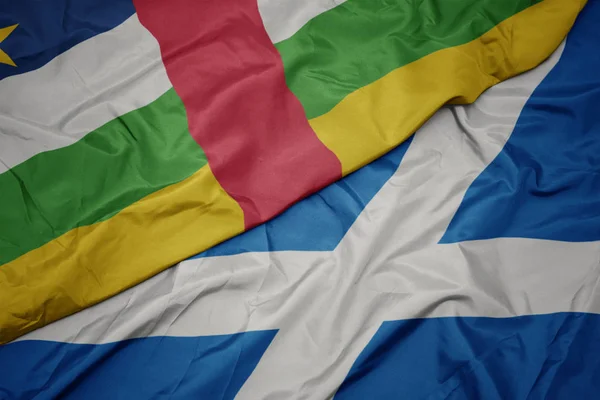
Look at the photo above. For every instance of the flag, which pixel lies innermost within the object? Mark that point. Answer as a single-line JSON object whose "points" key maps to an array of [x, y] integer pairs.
{"points": [[136, 134], [462, 264]]}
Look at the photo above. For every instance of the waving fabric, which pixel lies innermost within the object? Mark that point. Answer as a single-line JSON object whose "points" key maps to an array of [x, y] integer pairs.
{"points": [[461, 264], [137, 134]]}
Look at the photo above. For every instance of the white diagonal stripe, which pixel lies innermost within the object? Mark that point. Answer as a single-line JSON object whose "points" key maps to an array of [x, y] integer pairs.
{"points": [[93, 83], [389, 266]]}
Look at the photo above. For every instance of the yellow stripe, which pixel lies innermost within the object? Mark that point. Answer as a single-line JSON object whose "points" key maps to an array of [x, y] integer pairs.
{"points": [[92, 263], [374, 119]]}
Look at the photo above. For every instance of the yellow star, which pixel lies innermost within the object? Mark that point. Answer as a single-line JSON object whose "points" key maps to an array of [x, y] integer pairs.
{"points": [[4, 32]]}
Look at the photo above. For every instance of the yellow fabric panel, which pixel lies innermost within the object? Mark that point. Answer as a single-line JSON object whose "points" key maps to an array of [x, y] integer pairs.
{"points": [[78, 269], [376, 118]]}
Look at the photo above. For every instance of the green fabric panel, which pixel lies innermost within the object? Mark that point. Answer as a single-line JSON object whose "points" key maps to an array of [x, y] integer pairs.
{"points": [[93, 179], [360, 41]]}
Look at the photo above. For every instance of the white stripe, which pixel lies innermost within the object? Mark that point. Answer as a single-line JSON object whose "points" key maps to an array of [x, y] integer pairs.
{"points": [[389, 266], [327, 319], [283, 18], [79, 91]]}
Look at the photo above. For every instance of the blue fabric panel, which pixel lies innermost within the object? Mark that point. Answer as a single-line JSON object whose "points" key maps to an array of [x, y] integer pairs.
{"points": [[552, 356], [50, 27], [545, 183], [207, 367]]}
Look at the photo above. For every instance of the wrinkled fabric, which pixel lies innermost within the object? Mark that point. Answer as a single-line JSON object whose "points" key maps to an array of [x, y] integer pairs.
{"points": [[109, 75], [543, 183], [124, 161], [213, 367], [325, 60], [533, 356], [97, 220], [388, 311], [48, 29]]}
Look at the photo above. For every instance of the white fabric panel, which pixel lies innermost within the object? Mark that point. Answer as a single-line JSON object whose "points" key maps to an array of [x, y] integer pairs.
{"points": [[283, 18]]}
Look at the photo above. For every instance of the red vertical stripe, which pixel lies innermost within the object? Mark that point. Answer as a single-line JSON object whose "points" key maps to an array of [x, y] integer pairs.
{"points": [[231, 79]]}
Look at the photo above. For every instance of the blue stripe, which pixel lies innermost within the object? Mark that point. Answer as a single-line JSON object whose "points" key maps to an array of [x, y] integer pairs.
{"points": [[535, 357], [319, 222], [545, 184], [209, 367], [51, 27]]}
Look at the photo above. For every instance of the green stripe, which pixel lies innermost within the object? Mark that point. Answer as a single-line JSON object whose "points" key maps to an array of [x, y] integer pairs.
{"points": [[360, 41], [96, 177]]}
